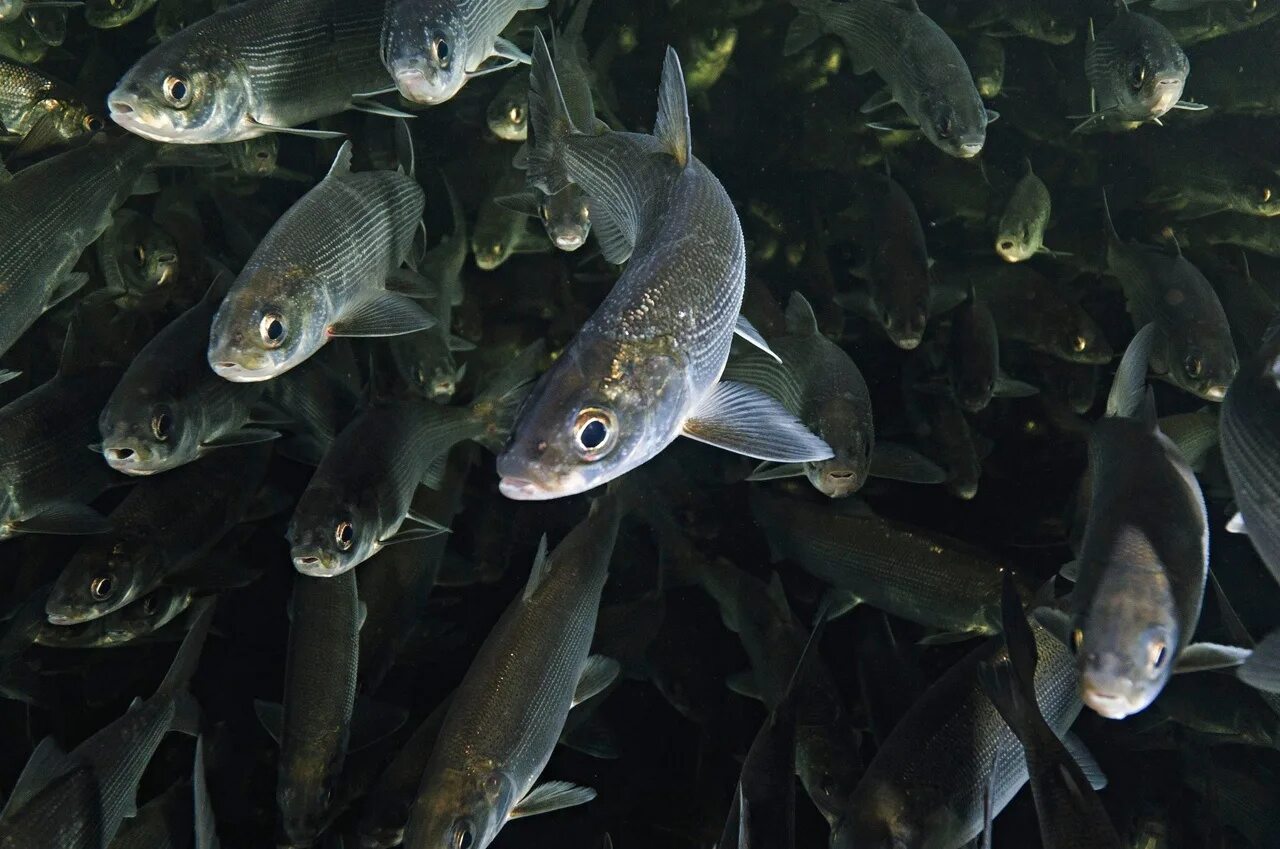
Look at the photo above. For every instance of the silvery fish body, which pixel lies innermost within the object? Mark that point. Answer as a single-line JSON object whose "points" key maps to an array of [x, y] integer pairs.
{"points": [[431, 47], [924, 787], [920, 64], [321, 272], [510, 709], [253, 68], [49, 213], [29, 96], [1020, 233]]}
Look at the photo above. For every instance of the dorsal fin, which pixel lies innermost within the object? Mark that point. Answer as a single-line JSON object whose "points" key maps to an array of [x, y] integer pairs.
{"points": [[800, 318], [342, 162], [672, 127]]}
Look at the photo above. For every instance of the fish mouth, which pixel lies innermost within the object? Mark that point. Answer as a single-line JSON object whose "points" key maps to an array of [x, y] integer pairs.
{"points": [[127, 112], [1106, 705], [237, 373], [67, 618], [570, 241], [969, 148], [520, 489], [314, 563], [129, 460], [1216, 392], [415, 85]]}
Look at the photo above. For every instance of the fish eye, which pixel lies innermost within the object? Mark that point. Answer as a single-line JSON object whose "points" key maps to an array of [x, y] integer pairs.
{"points": [[419, 375], [177, 90], [162, 424], [463, 838], [516, 114], [1157, 653], [1193, 365], [442, 51], [1079, 343], [344, 535], [1077, 638], [22, 42], [594, 433], [271, 328], [1137, 75], [92, 123], [1250, 6], [149, 605], [1266, 194], [945, 127], [546, 215], [140, 253], [100, 587]]}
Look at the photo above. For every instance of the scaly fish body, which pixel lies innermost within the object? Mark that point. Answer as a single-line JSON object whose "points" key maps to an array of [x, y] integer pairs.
{"points": [[327, 259], [250, 69], [1136, 69]]}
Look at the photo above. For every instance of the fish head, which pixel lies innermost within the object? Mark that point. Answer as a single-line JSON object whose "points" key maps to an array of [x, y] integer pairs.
{"points": [[1206, 368], [193, 95], [107, 14], [144, 433], [256, 157], [1082, 342], [903, 307], [491, 250], [566, 218], [1014, 242], [329, 533], [843, 424], [270, 321], [1150, 74], [464, 808], [104, 576], [877, 817], [604, 407], [955, 125], [10, 10], [304, 793], [508, 116], [155, 256], [146, 614], [830, 767], [427, 58]]}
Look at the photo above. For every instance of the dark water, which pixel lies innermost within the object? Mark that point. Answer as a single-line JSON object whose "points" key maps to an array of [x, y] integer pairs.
{"points": [[785, 137]]}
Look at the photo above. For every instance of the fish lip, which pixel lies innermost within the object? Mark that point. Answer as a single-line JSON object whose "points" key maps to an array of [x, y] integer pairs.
{"points": [[237, 373], [314, 563], [65, 618], [522, 489], [570, 242], [1216, 392], [970, 148], [1106, 705], [133, 464], [416, 86]]}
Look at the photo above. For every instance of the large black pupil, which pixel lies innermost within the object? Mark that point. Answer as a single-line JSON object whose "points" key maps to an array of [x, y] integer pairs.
{"points": [[179, 90], [275, 330], [442, 53], [346, 533], [103, 587], [163, 424], [594, 434], [464, 839]]}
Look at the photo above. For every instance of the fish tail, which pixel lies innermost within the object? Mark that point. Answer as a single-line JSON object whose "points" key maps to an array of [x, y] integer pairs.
{"points": [[549, 123], [499, 403]]}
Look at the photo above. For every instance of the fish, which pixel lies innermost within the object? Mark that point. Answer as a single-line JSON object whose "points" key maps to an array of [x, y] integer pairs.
{"points": [[40, 110], [47, 475], [151, 539], [1144, 556], [1050, 21], [508, 113], [50, 22], [903, 570], [50, 213], [313, 726], [431, 48], [821, 385], [1194, 187], [923, 70], [1067, 807], [79, 799], [976, 377], [262, 66], [918, 794], [1243, 231], [1195, 21], [171, 16], [11, 10], [321, 272], [938, 416], [987, 59], [501, 230], [170, 408], [645, 367], [137, 257], [511, 706], [1020, 233], [382, 824], [1247, 439], [1194, 349], [1136, 71], [361, 495], [108, 14], [137, 620]]}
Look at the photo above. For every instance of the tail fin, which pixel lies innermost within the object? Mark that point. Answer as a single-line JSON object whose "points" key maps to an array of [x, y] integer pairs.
{"points": [[499, 403], [549, 122], [188, 657]]}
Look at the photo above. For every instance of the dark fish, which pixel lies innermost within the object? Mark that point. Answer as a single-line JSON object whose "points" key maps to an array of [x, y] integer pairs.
{"points": [[508, 112], [1193, 348], [645, 367], [976, 377], [897, 268], [923, 70], [510, 708], [1070, 813], [108, 14], [163, 526], [140, 618], [262, 66], [34, 104], [137, 257], [1052, 21], [1020, 233], [163, 823], [903, 570]]}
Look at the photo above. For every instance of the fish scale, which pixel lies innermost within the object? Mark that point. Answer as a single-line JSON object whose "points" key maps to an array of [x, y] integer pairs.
{"points": [[1248, 425], [49, 213]]}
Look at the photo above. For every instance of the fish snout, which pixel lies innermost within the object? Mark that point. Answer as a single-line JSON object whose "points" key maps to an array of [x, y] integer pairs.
{"points": [[1107, 686], [419, 86], [839, 483], [970, 146], [1215, 392], [314, 562], [569, 239], [128, 457]]}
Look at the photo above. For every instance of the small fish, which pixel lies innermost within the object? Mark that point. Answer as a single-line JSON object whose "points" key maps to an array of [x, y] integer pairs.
{"points": [[322, 272], [78, 800], [1067, 807], [1020, 234], [1051, 21], [502, 223], [108, 14], [50, 212], [1243, 231], [41, 111], [986, 57], [1074, 383], [139, 619], [897, 268], [49, 21], [819, 384], [924, 788], [136, 256], [173, 16], [1194, 348], [508, 112], [11, 10], [431, 48], [361, 495], [645, 367], [1144, 556], [976, 377], [169, 408], [262, 66], [21, 42], [1195, 21], [151, 539], [486, 763], [1136, 70], [923, 70], [901, 569], [1194, 186]]}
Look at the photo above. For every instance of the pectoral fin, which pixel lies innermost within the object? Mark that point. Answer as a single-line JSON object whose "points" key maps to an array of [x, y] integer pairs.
{"points": [[383, 314], [743, 419], [551, 796]]}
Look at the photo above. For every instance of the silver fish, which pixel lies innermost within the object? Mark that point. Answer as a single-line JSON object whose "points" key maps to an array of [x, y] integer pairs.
{"points": [[923, 70], [32, 103], [511, 706], [432, 47], [256, 67], [1020, 233], [645, 368], [321, 272]]}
